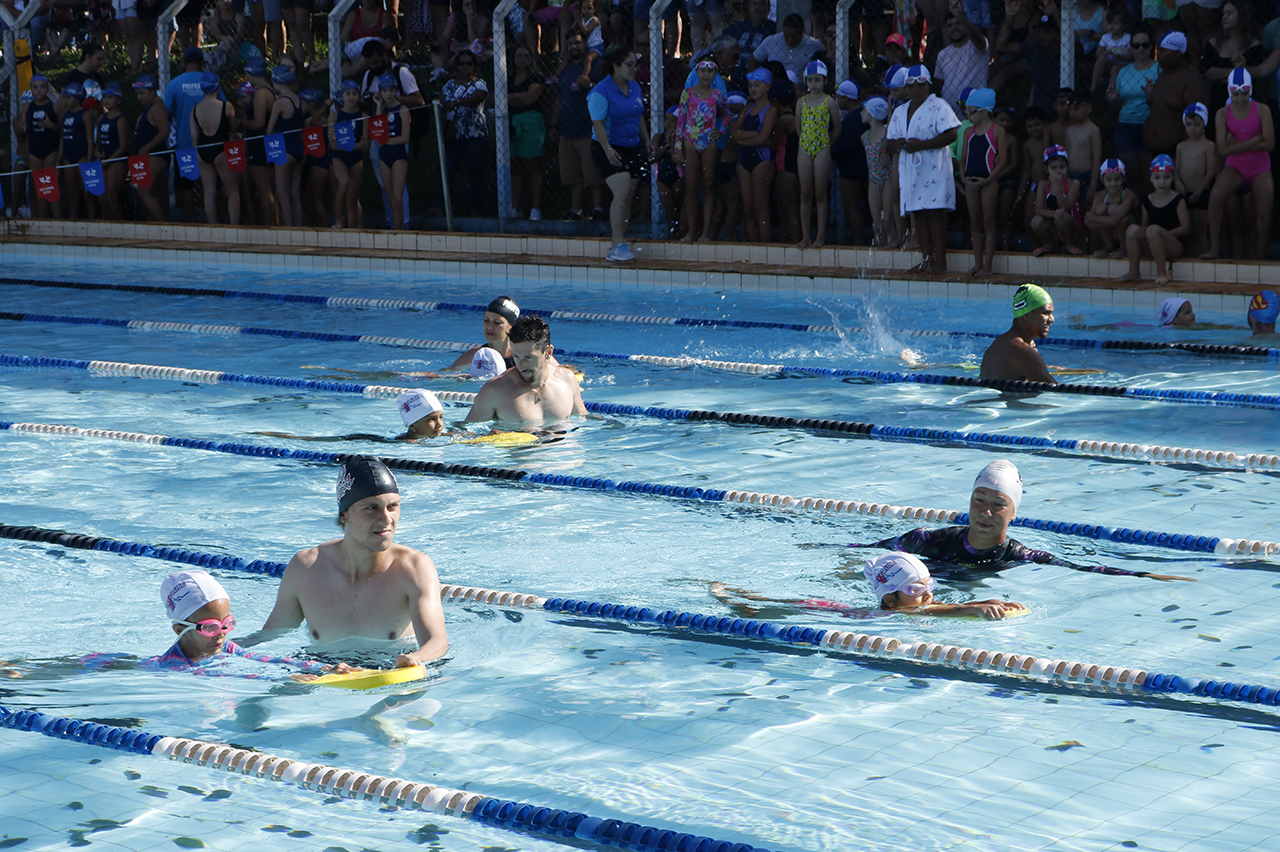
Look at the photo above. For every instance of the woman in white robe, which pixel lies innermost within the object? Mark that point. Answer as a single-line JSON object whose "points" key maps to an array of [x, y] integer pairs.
{"points": [[920, 134]]}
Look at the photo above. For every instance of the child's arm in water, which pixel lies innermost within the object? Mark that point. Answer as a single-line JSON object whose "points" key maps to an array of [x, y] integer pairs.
{"points": [[989, 609]]}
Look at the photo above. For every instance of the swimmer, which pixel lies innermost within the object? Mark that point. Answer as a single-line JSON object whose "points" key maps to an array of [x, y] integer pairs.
{"points": [[364, 585], [199, 610], [1263, 311], [499, 317], [985, 544], [538, 390], [487, 364], [1175, 313], [422, 413], [1013, 355], [900, 583]]}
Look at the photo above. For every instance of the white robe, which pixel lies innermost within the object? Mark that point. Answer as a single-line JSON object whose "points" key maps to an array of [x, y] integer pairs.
{"points": [[925, 178]]}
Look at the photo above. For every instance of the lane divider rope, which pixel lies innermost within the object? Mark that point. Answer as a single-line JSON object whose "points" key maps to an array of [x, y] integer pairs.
{"points": [[698, 322], [1091, 675], [1191, 542], [1195, 397], [916, 434], [367, 786]]}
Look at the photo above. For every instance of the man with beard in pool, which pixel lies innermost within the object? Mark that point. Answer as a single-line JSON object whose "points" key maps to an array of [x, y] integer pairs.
{"points": [[1013, 355], [538, 390]]}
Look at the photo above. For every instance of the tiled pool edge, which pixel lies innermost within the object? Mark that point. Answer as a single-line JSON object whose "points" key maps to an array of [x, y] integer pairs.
{"points": [[1222, 285]]}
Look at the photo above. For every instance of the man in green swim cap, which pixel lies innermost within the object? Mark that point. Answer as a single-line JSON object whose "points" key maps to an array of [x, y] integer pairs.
{"points": [[1013, 355]]}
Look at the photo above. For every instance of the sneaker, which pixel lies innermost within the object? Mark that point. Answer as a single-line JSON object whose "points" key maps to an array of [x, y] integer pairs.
{"points": [[535, 215], [620, 253], [598, 215], [574, 216]]}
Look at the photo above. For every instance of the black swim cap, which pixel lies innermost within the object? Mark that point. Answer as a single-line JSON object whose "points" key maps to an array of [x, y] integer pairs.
{"points": [[361, 477], [504, 307]]}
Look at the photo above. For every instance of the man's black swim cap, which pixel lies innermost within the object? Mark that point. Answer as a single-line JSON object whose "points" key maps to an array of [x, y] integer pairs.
{"points": [[504, 307], [361, 477]]}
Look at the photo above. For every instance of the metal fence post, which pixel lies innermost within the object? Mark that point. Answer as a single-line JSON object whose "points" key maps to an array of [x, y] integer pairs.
{"points": [[1067, 45], [656, 123], [502, 117], [164, 26], [842, 41], [444, 169], [340, 10]]}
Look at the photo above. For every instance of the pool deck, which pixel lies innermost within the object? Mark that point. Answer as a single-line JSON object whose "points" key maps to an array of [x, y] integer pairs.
{"points": [[1212, 285]]}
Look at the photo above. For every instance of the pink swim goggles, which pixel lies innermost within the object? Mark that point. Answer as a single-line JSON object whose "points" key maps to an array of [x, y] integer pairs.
{"points": [[209, 627]]}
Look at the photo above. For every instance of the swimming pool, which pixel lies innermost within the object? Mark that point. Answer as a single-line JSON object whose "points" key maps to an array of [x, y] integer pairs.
{"points": [[780, 746]]}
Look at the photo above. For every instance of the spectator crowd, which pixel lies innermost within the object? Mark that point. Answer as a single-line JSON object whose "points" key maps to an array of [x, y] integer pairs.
{"points": [[951, 121]]}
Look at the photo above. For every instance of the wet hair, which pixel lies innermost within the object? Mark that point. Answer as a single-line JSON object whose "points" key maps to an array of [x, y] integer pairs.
{"points": [[794, 22], [531, 329], [615, 56]]}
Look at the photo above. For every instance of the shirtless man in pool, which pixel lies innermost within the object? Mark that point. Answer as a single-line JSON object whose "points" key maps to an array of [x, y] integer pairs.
{"points": [[1013, 355], [364, 584], [538, 390]]}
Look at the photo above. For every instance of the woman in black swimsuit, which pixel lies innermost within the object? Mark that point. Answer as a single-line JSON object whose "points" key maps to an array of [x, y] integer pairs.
{"points": [[212, 121]]}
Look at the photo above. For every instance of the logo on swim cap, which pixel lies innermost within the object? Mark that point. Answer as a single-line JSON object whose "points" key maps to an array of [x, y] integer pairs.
{"points": [[1028, 298], [362, 477], [1265, 307]]}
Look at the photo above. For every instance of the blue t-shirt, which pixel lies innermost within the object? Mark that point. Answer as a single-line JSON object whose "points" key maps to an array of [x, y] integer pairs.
{"points": [[621, 113], [575, 121], [180, 97]]}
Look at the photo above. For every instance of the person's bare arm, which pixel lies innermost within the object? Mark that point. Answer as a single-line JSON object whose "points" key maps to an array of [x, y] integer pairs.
{"points": [[287, 612], [485, 407], [990, 610], [425, 611], [1027, 360]]}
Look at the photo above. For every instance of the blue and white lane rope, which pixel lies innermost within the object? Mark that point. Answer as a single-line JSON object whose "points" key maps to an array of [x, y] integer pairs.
{"points": [[1194, 397], [568, 826], [1173, 541], [1068, 672], [699, 322], [1225, 459]]}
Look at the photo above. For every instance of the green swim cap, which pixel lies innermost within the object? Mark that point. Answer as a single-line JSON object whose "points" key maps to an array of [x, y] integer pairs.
{"points": [[1028, 298]]}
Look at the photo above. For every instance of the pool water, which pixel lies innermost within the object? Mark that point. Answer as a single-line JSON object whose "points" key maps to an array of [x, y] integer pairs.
{"points": [[781, 747]]}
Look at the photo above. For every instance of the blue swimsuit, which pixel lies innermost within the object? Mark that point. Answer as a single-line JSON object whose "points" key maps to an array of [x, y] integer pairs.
{"points": [[108, 136], [392, 154], [41, 141], [749, 158], [75, 140]]}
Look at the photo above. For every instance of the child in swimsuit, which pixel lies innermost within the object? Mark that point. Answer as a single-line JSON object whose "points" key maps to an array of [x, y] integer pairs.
{"points": [[348, 166], [703, 112], [819, 126], [1165, 221], [77, 144], [1245, 139], [1110, 218], [984, 157], [1057, 220], [900, 583], [1195, 169], [752, 131], [875, 112], [199, 610], [394, 153], [40, 127]]}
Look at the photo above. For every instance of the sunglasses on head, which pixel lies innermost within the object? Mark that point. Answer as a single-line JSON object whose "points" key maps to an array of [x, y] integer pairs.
{"points": [[209, 627]]}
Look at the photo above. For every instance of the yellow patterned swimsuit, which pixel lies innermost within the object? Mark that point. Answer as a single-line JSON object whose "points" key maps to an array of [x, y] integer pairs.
{"points": [[815, 127]]}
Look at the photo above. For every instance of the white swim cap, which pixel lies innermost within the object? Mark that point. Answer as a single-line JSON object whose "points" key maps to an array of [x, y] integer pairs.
{"points": [[894, 571], [417, 404], [1003, 477], [184, 592], [487, 363]]}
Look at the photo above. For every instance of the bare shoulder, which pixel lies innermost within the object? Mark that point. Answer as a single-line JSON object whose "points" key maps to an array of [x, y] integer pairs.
{"points": [[416, 567]]}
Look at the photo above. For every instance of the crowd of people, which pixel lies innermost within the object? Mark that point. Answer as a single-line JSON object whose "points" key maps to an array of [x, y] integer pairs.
{"points": [[949, 118]]}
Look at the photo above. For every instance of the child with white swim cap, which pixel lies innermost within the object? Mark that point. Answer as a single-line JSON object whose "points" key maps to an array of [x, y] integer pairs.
{"points": [[422, 413], [902, 582], [199, 610]]}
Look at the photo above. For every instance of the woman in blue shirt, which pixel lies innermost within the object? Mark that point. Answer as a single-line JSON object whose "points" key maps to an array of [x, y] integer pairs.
{"points": [[621, 152]]}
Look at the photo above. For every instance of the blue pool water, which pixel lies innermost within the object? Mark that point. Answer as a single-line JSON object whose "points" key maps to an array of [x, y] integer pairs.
{"points": [[781, 747]]}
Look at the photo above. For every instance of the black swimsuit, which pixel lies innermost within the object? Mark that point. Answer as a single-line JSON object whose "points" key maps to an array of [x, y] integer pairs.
{"points": [[210, 144], [951, 545]]}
